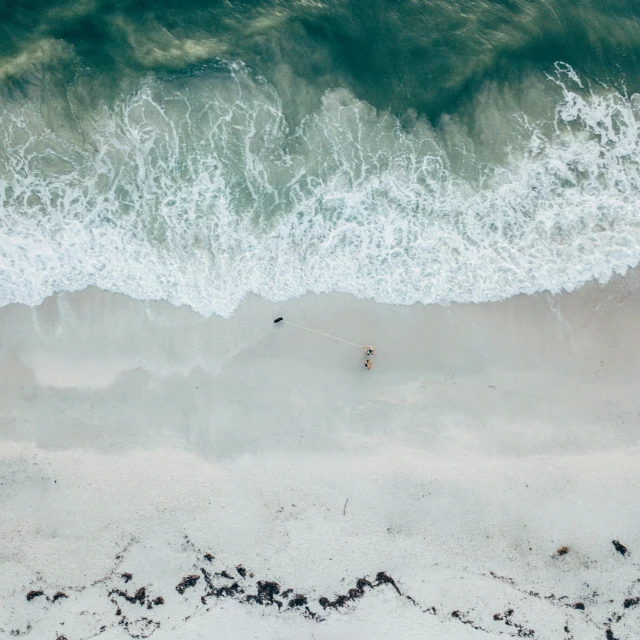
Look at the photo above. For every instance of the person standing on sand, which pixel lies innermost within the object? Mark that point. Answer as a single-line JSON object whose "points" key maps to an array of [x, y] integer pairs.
{"points": [[369, 351]]}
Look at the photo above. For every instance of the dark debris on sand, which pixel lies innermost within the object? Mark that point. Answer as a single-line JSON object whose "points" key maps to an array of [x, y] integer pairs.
{"points": [[138, 597], [239, 584], [144, 627], [507, 618], [266, 595], [464, 619], [358, 591], [223, 591], [297, 601], [620, 548], [186, 582], [227, 591]]}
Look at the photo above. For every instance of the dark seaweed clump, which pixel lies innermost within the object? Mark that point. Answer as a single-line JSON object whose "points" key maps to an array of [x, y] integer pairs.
{"points": [[186, 582]]}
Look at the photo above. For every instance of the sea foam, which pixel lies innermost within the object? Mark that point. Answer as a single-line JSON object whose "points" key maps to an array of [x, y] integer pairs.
{"points": [[196, 190]]}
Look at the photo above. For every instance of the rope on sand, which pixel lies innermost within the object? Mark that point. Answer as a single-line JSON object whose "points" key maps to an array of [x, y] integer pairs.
{"points": [[293, 324]]}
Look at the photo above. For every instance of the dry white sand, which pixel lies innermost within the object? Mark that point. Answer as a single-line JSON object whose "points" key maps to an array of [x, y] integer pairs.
{"points": [[136, 437]]}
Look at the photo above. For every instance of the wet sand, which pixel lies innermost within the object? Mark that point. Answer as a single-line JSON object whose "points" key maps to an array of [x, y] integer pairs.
{"points": [[138, 438]]}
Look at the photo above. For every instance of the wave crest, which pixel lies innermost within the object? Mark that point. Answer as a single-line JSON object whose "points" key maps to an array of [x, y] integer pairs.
{"points": [[195, 190]]}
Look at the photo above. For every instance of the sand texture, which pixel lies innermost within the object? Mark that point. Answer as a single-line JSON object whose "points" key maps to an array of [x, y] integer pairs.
{"points": [[170, 476]]}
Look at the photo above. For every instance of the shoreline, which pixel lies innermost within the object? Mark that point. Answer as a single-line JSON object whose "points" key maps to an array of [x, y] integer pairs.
{"points": [[485, 438]]}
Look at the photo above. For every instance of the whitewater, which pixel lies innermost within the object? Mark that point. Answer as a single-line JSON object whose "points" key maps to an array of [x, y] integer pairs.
{"points": [[197, 189]]}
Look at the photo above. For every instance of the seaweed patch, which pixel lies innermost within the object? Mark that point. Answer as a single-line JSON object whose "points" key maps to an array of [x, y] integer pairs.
{"points": [[209, 580], [186, 582]]}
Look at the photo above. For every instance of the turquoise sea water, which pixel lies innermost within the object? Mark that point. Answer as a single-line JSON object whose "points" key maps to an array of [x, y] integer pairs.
{"points": [[407, 151]]}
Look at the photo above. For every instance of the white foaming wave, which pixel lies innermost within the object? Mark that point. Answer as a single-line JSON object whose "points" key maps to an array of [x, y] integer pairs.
{"points": [[196, 191]]}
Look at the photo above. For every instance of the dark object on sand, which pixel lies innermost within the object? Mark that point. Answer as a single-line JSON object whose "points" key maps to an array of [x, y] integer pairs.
{"points": [[186, 582], [620, 548], [358, 591], [562, 551], [277, 320], [297, 601], [34, 594], [579, 605], [138, 598], [266, 593]]}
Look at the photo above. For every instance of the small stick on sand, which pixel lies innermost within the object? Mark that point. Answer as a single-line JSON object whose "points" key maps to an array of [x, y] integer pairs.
{"points": [[344, 510]]}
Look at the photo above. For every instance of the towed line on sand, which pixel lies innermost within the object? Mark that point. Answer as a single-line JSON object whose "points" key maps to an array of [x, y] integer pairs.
{"points": [[293, 324]]}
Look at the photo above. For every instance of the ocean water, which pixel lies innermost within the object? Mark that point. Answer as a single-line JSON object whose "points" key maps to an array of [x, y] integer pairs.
{"points": [[406, 151]]}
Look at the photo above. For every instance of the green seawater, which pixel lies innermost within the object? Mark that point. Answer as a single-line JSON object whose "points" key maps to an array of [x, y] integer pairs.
{"points": [[413, 57]]}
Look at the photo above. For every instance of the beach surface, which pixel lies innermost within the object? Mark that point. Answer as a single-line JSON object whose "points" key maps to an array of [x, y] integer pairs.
{"points": [[169, 475]]}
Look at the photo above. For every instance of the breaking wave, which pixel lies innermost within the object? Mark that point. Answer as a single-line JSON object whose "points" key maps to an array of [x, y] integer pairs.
{"points": [[195, 189]]}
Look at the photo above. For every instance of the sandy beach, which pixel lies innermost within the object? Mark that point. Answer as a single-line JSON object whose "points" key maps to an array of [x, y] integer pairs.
{"points": [[307, 497], [454, 183]]}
